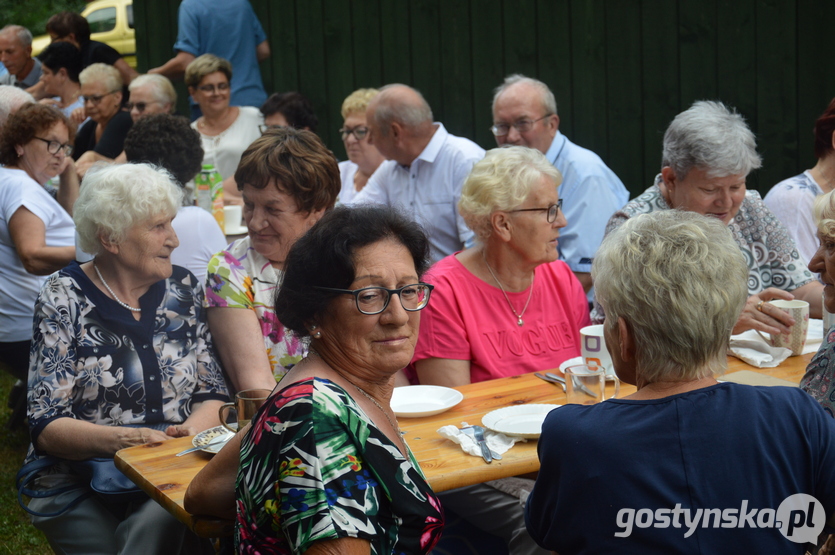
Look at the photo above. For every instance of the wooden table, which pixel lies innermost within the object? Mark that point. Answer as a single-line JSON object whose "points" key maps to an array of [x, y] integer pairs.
{"points": [[165, 477]]}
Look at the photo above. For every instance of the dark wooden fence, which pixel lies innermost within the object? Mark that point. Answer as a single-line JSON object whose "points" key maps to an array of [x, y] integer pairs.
{"points": [[620, 69]]}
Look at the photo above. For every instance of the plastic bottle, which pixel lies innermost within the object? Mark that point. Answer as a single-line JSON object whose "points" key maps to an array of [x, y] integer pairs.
{"points": [[208, 186]]}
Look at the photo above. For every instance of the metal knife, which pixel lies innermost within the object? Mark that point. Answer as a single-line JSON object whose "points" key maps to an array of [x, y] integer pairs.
{"points": [[216, 441], [577, 384], [478, 432], [551, 378]]}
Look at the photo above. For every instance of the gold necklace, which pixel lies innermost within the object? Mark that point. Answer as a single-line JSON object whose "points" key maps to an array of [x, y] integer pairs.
{"points": [[530, 293]]}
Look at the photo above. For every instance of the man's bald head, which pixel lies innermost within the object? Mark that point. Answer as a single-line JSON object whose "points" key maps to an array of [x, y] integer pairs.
{"points": [[401, 104]]}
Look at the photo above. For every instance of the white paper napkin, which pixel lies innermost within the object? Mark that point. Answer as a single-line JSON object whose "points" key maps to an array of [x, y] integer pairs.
{"points": [[753, 349], [495, 441]]}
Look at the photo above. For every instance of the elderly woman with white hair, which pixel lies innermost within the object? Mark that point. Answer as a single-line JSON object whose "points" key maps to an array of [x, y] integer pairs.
{"points": [[507, 305], [363, 157], [656, 471], [151, 94], [102, 137], [121, 356], [708, 153], [820, 374]]}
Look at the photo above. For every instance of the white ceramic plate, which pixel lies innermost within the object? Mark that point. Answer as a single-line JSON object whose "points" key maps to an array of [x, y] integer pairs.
{"points": [[235, 230], [520, 420], [207, 436], [413, 401]]}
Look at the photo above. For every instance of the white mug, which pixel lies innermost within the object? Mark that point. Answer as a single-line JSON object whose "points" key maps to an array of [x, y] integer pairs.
{"points": [[593, 348], [232, 215]]}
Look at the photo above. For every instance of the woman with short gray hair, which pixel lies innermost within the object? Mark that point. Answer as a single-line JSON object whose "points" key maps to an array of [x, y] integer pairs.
{"points": [[708, 153], [121, 356], [673, 284]]}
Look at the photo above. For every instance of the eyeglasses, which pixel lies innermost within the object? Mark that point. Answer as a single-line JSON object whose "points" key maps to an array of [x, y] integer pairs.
{"points": [[522, 126], [53, 147], [374, 300], [552, 210], [263, 128], [221, 87], [359, 132], [95, 99], [140, 106]]}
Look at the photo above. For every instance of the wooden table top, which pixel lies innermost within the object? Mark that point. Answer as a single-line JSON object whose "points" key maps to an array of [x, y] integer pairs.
{"points": [[165, 477]]}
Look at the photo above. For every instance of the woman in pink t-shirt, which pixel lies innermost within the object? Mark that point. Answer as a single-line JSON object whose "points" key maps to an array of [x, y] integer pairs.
{"points": [[507, 305]]}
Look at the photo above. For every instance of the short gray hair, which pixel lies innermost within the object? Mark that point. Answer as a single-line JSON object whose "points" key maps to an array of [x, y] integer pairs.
{"points": [[101, 73], [712, 137], [23, 34], [161, 87], [502, 180], [390, 109], [12, 98], [679, 280], [114, 198], [545, 94]]}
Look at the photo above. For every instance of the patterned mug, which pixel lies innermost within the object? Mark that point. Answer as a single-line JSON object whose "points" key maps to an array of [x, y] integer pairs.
{"points": [[796, 339]]}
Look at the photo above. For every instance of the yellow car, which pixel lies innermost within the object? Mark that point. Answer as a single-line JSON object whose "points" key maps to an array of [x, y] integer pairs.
{"points": [[111, 22]]}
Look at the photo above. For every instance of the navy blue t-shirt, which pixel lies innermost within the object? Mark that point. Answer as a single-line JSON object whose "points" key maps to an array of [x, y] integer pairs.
{"points": [[637, 476]]}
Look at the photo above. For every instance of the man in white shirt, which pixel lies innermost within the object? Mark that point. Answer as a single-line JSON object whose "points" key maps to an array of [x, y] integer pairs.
{"points": [[525, 113], [425, 167]]}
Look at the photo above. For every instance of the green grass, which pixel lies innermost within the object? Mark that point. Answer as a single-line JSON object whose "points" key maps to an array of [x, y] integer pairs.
{"points": [[17, 535]]}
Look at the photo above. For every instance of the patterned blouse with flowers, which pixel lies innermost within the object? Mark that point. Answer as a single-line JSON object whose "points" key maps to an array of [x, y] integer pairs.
{"points": [[240, 277], [92, 361], [819, 380], [314, 467]]}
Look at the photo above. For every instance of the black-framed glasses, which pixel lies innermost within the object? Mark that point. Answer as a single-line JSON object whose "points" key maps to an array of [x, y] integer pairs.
{"points": [[221, 87], [263, 128], [53, 147], [359, 132], [140, 106], [522, 126], [95, 99], [552, 210], [374, 300]]}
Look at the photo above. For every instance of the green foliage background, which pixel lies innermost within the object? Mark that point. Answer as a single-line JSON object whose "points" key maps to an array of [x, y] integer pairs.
{"points": [[33, 14]]}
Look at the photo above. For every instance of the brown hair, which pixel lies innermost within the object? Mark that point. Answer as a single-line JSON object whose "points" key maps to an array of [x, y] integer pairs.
{"points": [[298, 162], [27, 122], [824, 127]]}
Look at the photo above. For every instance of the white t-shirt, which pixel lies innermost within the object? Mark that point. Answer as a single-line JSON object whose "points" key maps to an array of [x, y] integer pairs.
{"points": [[224, 151], [200, 238], [347, 171], [18, 288]]}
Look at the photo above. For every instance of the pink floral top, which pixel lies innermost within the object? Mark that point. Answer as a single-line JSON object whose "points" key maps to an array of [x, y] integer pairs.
{"points": [[240, 277]]}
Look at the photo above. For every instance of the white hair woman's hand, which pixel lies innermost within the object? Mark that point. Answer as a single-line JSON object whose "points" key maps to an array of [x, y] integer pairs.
{"points": [[759, 314]]}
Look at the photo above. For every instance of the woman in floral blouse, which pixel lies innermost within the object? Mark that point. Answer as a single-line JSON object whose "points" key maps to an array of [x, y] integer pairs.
{"points": [[324, 467], [121, 356], [288, 179]]}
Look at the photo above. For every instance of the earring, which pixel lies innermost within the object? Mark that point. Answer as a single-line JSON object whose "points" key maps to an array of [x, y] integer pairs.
{"points": [[316, 334]]}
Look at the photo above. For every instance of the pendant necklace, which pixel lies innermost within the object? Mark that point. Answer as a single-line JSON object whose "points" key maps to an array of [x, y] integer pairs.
{"points": [[115, 298], [530, 293]]}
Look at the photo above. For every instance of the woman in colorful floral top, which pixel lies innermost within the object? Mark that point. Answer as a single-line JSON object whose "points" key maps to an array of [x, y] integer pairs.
{"points": [[324, 467], [121, 356], [288, 179]]}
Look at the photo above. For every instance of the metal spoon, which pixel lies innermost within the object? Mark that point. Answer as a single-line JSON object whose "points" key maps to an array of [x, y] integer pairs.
{"points": [[551, 378]]}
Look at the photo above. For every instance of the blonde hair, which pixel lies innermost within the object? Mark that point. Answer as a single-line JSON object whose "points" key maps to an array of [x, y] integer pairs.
{"points": [[357, 102], [101, 73], [502, 180], [679, 280], [204, 65], [114, 198], [824, 211]]}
